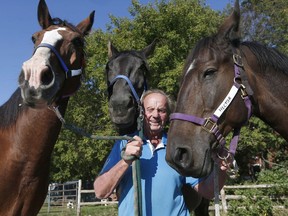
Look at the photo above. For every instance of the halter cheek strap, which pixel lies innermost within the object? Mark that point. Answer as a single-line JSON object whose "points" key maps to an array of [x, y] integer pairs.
{"points": [[69, 73]]}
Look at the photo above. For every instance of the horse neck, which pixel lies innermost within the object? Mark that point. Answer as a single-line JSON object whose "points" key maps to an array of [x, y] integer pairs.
{"points": [[269, 97], [37, 131]]}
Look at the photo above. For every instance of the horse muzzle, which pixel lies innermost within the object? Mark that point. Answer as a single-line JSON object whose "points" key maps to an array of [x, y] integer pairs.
{"points": [[38, 88], [189, 161]]}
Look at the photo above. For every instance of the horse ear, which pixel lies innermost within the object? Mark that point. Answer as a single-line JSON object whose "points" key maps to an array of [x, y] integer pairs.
{"points": [[111, 50], [230, 29], [44, 17], [147, 51], [86, 25]]}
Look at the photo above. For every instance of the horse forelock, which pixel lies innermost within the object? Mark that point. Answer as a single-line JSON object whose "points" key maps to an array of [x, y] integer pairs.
{"points": [[206, 49], [127, 55], [10, 111], [64, 23], [267, 56]]}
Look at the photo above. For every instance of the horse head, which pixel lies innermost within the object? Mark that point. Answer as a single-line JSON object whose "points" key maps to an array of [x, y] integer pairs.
{"points": [[126, 79], [55, 68], [196, 127]]}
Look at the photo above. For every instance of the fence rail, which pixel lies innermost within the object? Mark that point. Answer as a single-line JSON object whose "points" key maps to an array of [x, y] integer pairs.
{"points": [[225, 197], [77, 194]]}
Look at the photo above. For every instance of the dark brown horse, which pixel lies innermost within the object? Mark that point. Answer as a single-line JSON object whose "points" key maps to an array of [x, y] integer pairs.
{"points": [[224, 82], [28, 128]]}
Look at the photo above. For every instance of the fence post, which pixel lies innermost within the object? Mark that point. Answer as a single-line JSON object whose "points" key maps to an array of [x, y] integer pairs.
{"points": [[49, 198], [223, 200], [79, 198]]}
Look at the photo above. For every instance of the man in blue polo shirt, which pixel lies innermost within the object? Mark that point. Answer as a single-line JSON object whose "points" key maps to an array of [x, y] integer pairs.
{"points": [[161, 185]]}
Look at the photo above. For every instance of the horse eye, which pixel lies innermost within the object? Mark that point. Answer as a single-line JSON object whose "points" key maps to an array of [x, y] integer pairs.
{"points": [[209, 72]]}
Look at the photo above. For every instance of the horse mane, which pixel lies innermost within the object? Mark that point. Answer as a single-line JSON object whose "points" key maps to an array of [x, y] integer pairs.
{"points": [[10, 110], [268, 56]]}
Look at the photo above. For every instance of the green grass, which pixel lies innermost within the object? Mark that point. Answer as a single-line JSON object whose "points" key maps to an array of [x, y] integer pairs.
{"points": [[110, 210]]}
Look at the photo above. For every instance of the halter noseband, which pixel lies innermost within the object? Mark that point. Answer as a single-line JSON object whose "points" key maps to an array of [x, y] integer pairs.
{"points": [[137, 98], [211, 124], [69, 73]]}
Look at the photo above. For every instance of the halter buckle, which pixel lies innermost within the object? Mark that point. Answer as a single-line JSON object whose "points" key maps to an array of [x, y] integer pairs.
{"points": [[209, 125], [243, 92], [237, 60]]}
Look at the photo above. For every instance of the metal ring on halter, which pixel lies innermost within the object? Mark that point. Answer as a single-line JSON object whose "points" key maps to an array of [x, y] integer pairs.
{"points": [[224, 158], [232, 168]]}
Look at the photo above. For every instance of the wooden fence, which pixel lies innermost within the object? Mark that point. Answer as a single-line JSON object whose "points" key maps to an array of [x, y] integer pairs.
{"points": [[80, 194], [224, 197]]}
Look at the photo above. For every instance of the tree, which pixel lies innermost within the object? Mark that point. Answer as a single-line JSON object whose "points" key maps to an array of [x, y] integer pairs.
{"points": [[267, 22]]}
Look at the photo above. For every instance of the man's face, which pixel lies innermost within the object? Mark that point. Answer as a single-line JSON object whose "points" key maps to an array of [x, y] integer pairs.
{"points": [[155, 109]]}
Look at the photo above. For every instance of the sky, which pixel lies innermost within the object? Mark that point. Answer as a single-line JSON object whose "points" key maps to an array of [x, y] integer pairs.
{"points": [[18, 21]]}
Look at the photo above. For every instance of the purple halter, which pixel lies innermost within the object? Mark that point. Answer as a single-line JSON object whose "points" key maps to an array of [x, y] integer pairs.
{"points": [[210, 124]]}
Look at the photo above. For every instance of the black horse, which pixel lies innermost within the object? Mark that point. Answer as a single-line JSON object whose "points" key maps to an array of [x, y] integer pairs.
{"points": [[126, 73]]}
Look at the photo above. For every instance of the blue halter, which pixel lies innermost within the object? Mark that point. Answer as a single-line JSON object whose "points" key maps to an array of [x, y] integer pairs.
{"points": [[69, 73], [130, 85]]}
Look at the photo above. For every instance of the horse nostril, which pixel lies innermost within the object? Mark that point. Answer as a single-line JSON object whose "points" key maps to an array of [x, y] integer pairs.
{"points": [[46, 76], [182, 157]]}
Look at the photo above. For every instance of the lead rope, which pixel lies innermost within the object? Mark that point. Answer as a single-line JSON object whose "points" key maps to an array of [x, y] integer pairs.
{"points": [[216, 189], [136, 174], [136, 170]]}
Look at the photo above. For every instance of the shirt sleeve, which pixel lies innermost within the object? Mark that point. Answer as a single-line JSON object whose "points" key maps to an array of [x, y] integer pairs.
{"points": [[193, 181], [114, 156]]}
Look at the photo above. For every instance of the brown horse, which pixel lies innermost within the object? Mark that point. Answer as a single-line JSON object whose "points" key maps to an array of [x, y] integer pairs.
{"points": [[28, 128], [224, 82]]}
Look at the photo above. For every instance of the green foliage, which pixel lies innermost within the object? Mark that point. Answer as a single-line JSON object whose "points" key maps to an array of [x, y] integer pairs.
{"points": [[251, 205], [266, 21], [261, 201]]}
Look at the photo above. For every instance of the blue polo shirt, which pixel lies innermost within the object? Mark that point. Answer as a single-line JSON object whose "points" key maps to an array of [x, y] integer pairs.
{"points": [[161, 185]]}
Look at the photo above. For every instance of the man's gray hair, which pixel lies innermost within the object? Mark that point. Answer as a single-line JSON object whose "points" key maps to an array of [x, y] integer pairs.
{"points": [[170, 102]]}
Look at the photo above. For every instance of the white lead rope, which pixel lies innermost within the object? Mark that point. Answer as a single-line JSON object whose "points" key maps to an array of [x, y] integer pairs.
{"points": [[216, 189]]}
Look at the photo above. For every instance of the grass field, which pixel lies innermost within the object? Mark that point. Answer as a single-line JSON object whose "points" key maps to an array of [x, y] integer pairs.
{"points": [[110, 210]]}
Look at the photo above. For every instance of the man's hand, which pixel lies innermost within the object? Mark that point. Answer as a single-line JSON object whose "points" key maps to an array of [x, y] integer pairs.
{"points": [[132, 150]]}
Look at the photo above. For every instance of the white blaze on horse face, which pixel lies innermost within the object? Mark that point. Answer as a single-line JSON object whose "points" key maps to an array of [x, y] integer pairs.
{"points": [[192, 66], [34, 67]]}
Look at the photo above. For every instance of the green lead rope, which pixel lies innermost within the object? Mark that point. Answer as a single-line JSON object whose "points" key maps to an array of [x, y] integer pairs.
{"points": [[136, 170], [137, 187], [135, 165]]}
